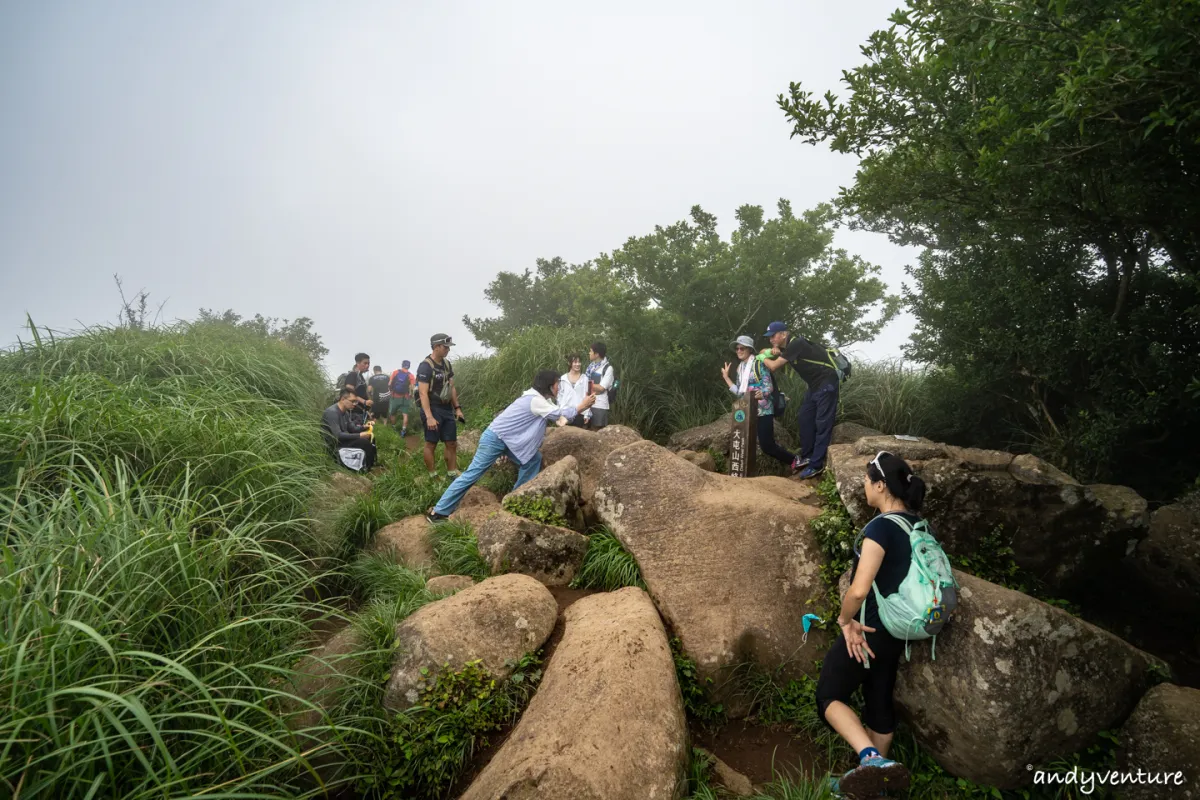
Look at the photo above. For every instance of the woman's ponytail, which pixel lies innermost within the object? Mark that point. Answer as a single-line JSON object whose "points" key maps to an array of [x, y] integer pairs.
{"points": [[900, 480]]}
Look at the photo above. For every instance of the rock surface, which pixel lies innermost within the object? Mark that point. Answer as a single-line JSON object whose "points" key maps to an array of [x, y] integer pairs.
{"points": [[607, 722], [449, 584], [1070, 536], [590, 449], [1016, 682], [731, 565], [562, 484], [851, 432], [717, 436], [350, 485], [496, 621], [1168, 560], [408, 542], [477, 505], [725, 776], [703, 460], [1162, 736], [548, 553]]}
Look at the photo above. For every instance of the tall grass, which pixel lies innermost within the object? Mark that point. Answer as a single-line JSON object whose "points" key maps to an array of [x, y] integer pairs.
{"points": [[155, 563]]}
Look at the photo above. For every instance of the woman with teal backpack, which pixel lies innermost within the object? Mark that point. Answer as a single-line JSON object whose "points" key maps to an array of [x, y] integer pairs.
{"points": [[893, 599]]}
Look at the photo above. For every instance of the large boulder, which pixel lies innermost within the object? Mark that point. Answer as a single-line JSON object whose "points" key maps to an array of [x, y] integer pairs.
{"points": [[1168, 559], [1162, 737], [548, 553], [496, 621], [851, 432], [449, 584], [590, 449], [704, 460], [607, 722], [468, 441], [717, 436], [408, 542], [1016, 682], [731, 564], [477, 505], [349, 485], [561, 484], [1072, 537]]}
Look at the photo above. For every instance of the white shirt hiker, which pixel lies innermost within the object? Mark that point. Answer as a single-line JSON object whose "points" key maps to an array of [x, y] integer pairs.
{"points": [[601, 373], [572, 394]]}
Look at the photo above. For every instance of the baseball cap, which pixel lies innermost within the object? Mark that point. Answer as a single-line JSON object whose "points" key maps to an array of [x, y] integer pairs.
{"points": [[406, 363], [744, 341], [775, 327], [441, 338]]}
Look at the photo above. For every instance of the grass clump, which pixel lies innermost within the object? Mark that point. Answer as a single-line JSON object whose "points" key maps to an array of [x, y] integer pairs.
{"points": [[695, 689], [607, 565], [538, 509], [456, 550], [430, 743], [156, 551]]}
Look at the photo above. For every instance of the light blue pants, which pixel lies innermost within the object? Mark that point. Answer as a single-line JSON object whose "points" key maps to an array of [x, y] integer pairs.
{"points": [[490, 448]]}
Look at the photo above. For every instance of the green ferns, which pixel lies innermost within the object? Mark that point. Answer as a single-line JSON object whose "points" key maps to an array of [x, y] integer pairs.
{"points": [[429, 745], [538, 509]]}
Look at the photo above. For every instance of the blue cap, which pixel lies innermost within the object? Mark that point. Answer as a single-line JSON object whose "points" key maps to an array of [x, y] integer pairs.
{"points": [[406, 364], [775, 327]]}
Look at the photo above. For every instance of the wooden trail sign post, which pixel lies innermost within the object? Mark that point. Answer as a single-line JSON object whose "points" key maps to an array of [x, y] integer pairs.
{"points": [[743, 445]]}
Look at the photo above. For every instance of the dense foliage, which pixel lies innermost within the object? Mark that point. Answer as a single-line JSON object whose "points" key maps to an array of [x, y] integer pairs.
{"points": [[1046, 156], [669, 303], [154, 578]]}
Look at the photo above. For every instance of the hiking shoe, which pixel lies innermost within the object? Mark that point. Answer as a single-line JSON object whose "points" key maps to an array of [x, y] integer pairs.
{"points": [[403, 432], [811, 471], [453, 475], [434, 518], [873, 777], [799, 463], [834, 786]]}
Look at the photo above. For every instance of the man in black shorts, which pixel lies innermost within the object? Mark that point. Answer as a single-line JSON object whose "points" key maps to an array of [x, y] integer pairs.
{"points": [[440, 411]]}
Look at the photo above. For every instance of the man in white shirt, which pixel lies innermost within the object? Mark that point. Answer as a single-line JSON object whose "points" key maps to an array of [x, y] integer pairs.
{"points": [[602, 376]]}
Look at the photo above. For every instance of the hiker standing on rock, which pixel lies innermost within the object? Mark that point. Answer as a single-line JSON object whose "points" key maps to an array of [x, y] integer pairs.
{"points": [[572, 388], [755, 378], [819, 409], [865, 653], [516, 432]]}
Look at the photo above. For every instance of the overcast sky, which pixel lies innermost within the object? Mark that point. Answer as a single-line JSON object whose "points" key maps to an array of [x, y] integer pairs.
{"points": [[373, 165]]}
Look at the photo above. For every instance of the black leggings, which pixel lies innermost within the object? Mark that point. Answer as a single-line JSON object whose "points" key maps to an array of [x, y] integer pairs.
{"points": [[766, 440], [841, 675]]}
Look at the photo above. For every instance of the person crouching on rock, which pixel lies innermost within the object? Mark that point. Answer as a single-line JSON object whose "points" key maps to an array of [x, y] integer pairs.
{"points": [[754, 378], [867, 655], [517, 432]]}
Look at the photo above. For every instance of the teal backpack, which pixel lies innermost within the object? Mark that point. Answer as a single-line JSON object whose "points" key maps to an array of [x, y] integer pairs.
{"points": [[928, 594]]}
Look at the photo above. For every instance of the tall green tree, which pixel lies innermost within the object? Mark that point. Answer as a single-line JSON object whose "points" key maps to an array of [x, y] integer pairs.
{"points": [[683, 284], [1048, 154]]}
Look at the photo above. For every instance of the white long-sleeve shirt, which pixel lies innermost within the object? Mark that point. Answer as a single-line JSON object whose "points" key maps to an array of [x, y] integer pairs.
{"points": [[570, 395]]}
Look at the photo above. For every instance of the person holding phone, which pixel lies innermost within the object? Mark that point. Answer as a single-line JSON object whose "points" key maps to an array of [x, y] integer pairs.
{"points": [[517, 432], [573, 386]]}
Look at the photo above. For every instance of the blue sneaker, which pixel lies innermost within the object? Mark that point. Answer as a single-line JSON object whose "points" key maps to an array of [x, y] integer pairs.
{"points": [[873, 777], [811, 472], [799, 463], [834, 786]]}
